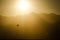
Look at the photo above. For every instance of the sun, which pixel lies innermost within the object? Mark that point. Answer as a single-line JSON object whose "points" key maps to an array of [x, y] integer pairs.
{"points": [[23, 6]]}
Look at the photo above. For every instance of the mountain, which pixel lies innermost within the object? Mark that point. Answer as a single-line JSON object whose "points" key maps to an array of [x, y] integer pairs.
{"points": [[51, 24], [47, 26]]}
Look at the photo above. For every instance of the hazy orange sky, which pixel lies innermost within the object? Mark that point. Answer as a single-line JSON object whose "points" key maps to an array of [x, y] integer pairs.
{"points": [[40, 6]]}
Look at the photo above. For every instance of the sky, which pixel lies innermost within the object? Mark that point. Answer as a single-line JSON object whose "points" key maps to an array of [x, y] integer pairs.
{"points": [[8, 7]]}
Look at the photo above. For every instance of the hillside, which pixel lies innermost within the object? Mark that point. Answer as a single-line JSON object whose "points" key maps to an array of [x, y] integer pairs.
{"points": [[35, 26]]}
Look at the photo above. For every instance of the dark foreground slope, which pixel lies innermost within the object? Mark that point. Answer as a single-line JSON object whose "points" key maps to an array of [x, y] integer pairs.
{"points": [[51, 24]]}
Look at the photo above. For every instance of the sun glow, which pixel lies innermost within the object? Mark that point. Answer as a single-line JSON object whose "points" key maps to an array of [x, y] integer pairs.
{"points": [[23, 7]]}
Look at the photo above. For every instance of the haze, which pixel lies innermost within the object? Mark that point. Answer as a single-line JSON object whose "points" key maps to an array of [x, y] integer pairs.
{"points": [[9, 8]]}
